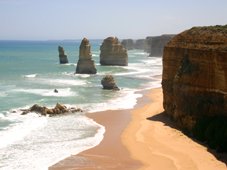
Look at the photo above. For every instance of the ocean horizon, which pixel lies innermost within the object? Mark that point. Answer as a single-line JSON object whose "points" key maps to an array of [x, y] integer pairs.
{"points": [[29, 73]]}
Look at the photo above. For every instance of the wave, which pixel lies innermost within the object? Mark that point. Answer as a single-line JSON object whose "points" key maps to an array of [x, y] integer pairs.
{"points": [[62, 92], [21, 129], [63, 136], [30, 76], [60, 82]]}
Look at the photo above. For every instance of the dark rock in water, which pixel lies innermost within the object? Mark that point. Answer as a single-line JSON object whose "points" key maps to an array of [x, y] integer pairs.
{"points": [[55, 91], [85, 64], [57, 110], [109, 83], [113, 53], [62, 56]]}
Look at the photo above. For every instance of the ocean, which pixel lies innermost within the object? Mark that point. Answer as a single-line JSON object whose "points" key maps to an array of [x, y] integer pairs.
{"points": [[29, 73]]}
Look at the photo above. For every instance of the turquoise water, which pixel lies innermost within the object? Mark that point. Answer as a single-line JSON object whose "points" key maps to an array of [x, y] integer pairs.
{"points": [[29, 73]]}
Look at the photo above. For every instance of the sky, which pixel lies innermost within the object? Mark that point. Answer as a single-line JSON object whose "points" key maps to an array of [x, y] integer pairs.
{"points": [[98, 19]]}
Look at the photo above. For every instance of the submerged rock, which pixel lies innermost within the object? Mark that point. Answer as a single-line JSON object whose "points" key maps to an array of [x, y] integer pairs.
{"points": [[57, 110], [62, 56], [108, 83], [113, 53], [85, 64]]}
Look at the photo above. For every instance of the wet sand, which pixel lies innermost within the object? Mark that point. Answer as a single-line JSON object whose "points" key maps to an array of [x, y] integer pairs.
{"points": [[142, 138]]}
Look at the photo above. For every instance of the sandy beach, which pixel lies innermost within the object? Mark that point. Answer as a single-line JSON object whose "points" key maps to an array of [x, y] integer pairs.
{"points": [[142, 138]]}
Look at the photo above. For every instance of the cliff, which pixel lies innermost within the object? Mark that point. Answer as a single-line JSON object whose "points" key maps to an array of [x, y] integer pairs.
{"points": [[194, 81], [113, 52], [128, 44], [155, 44], [62, 56], [85, 64]]}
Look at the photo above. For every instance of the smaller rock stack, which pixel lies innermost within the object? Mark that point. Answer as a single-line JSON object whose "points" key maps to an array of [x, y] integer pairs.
{"points": [[62, 56], [113, 53], [85, 64], [108, 83]]}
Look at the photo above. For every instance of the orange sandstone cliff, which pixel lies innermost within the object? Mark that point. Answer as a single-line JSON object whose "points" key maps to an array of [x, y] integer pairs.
{"points": [[194, 78]]}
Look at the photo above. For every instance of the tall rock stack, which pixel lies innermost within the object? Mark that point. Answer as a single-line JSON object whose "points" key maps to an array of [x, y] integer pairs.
{"points": [[62, 56], [85, 64], [194, 79], [113, 53]]}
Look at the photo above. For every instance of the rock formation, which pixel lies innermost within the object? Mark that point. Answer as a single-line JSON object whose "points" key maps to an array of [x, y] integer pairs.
{"points": [[195, 83], [113, 53], [128, 44], [85, 64], [194, 78], [109, 83], [62, 56], [140, 44], [155, 44], [57, 110]]}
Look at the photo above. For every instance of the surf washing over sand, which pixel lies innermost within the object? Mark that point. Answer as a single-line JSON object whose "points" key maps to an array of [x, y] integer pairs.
{"points": [[30, 71]]}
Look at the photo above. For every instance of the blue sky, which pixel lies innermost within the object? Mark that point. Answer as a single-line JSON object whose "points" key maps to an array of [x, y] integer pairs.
{"points": [[75, 19]]}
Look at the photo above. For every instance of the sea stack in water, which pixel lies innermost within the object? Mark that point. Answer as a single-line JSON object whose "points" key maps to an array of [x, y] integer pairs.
{"points": [[85, 64], [194, 79], [108, 83], [113, 53], [62, 56]]}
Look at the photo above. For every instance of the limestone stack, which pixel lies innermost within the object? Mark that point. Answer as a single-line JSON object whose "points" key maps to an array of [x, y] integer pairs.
{"points": [[156, 44], [194, 79], [128, 44], [85, 64], [113, 53], [62, 56]]}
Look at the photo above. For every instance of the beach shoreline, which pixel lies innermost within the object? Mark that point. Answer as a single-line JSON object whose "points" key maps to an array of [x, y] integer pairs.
{"points": [[142, 138]]}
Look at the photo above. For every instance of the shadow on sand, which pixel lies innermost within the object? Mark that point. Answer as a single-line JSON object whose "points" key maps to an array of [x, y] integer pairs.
{"points": [[162, 117]]}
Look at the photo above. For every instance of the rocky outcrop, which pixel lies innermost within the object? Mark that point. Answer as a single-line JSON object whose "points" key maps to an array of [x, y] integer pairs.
{"points": [[85, 64], [155, 44], [128, 44], [194, 79], [113, 53], [62, 56], [140, 44], [57, 110], [108, 83]]}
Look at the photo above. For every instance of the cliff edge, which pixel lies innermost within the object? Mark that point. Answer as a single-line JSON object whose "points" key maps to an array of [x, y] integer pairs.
{"points": [[194, 80]]}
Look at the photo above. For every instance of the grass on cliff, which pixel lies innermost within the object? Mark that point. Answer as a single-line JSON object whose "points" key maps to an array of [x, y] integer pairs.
{"points": [[213, 131], [216, 28]]}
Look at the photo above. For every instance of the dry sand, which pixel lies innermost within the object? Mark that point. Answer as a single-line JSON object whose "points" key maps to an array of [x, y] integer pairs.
{"points": [[133, 142]]}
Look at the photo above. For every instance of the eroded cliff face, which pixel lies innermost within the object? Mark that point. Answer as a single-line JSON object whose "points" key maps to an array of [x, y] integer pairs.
{"points": [[194, 78]]}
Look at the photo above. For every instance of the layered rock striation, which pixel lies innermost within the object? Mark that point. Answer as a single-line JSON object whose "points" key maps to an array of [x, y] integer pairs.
{"points": [[85, 64], [194, 79], [62, 56], [113, 53], [195, 83]]}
